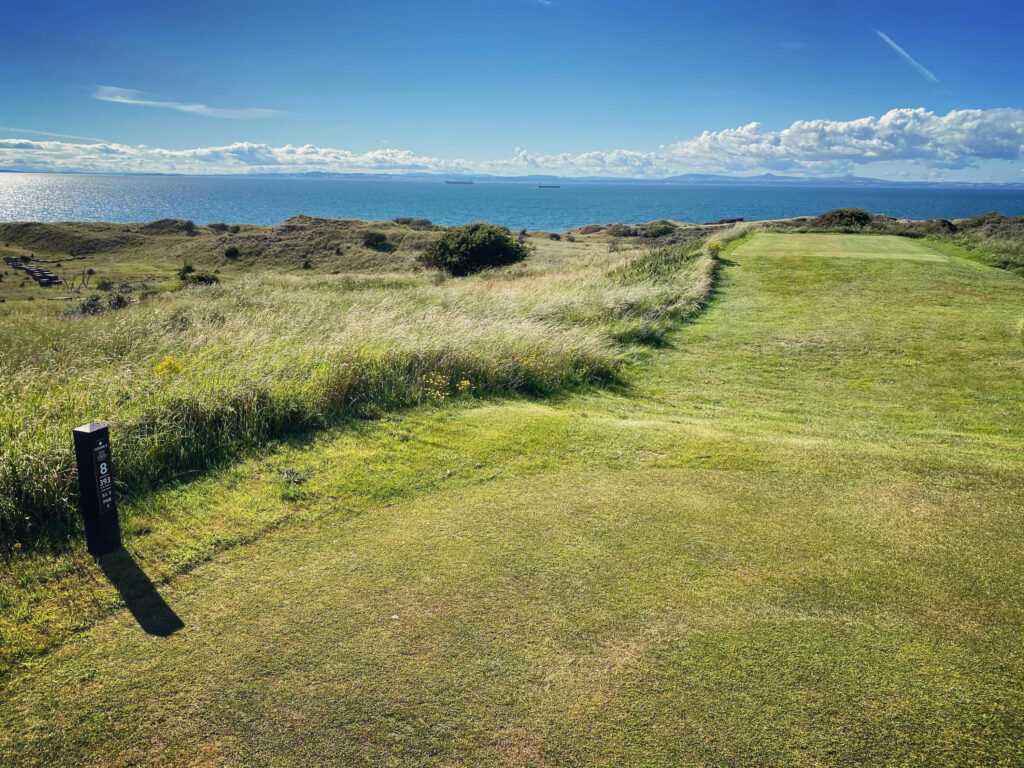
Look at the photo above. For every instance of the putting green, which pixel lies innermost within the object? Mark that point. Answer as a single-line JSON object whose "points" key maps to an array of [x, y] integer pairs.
{"points": [[836, 246]]}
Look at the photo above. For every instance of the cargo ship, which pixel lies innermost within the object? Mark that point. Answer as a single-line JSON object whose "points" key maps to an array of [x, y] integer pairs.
{"points": [[448, 181], [549, 186]]}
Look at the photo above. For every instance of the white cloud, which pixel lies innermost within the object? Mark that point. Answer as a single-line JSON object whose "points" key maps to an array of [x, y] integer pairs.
{"points": [[958, 139], [926, 74], [913, 141], [127, 96], [241, 157]]}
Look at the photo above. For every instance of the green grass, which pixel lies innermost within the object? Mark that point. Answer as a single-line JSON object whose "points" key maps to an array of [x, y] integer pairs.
{"points": [[794, 540], [193, 380], [195, 377]]}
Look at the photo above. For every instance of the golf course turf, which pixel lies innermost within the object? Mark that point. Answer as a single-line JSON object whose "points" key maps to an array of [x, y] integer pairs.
{"points": [[796, 538]]}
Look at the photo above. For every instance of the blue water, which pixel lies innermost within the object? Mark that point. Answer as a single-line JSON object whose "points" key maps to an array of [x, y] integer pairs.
{"points": [[51, 197]]}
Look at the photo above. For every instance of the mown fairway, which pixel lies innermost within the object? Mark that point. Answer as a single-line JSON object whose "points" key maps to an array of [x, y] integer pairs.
{"points": [[796, 540]]}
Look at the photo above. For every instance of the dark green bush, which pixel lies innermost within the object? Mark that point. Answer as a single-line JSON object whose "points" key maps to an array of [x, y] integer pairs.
{"points": [[200, 278], [119, 301], [377, 241], [843, 218], [472, 248], [660, 229], [938, 227], [90, 305], [232, 253], [621, 230], [94, 304], [408, 221], [995, 225], [234, 229], [218, 226]]}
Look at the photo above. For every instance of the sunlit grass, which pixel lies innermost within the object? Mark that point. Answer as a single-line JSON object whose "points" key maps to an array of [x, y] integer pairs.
{"points": [[188, 378], [793, 539]]}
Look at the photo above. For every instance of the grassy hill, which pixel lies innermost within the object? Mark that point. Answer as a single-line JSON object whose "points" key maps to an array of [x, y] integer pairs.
{"points": [[793, 539], [144, 258]]}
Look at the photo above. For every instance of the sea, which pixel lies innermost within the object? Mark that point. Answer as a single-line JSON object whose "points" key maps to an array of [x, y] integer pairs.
{"points": [[269, 200]]}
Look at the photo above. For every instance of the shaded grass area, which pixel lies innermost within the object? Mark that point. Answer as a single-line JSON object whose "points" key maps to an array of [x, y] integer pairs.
{"points": [[795, 541]]}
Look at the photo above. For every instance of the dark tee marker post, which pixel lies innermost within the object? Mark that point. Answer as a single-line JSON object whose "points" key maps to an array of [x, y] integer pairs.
{"points": [[96, 485]]}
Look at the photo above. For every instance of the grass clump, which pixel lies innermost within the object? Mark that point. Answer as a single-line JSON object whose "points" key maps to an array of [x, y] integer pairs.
{"points": [[472, 248]]}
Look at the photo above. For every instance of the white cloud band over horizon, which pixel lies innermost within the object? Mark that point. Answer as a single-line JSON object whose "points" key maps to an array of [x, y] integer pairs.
{"points": [[127, 96], [918, 141]]}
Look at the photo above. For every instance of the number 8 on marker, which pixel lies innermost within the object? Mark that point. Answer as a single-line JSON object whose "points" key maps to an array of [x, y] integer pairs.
{"points": [[103, 468]]}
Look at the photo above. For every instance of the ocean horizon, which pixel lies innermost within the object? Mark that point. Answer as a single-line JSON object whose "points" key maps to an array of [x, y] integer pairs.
{"points": [[270, 200]]}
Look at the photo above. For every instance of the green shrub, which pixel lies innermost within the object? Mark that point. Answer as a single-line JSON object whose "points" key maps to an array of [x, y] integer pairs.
{"points": [[472, 248], [621, 230], [843, 218], [94, 304], [408, 221], [200, 278], [234, 229], [119, 301], [218, 226], [660, 229], [90, 305], [232, 253], [377, 241]]}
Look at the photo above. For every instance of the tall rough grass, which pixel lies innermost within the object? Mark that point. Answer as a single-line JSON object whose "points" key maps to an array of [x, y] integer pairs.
{"points": [[194, 377]]}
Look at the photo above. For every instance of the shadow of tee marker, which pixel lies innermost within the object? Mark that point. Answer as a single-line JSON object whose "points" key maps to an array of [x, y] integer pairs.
{"points": [[150, 610]]}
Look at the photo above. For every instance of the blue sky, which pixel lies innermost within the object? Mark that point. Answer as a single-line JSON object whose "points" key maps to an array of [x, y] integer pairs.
{"points": [[570, 86]]}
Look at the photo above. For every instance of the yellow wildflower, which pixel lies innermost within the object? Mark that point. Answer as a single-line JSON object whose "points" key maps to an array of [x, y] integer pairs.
{"points": [[168, 366]]}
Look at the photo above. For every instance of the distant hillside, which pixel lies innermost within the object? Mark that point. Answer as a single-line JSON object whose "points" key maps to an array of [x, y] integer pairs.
{"points": [[332, 243], [766, 179]]}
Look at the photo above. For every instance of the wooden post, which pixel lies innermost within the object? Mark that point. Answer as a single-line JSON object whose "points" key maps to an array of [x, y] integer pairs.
{"points": [[96, 486]]}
